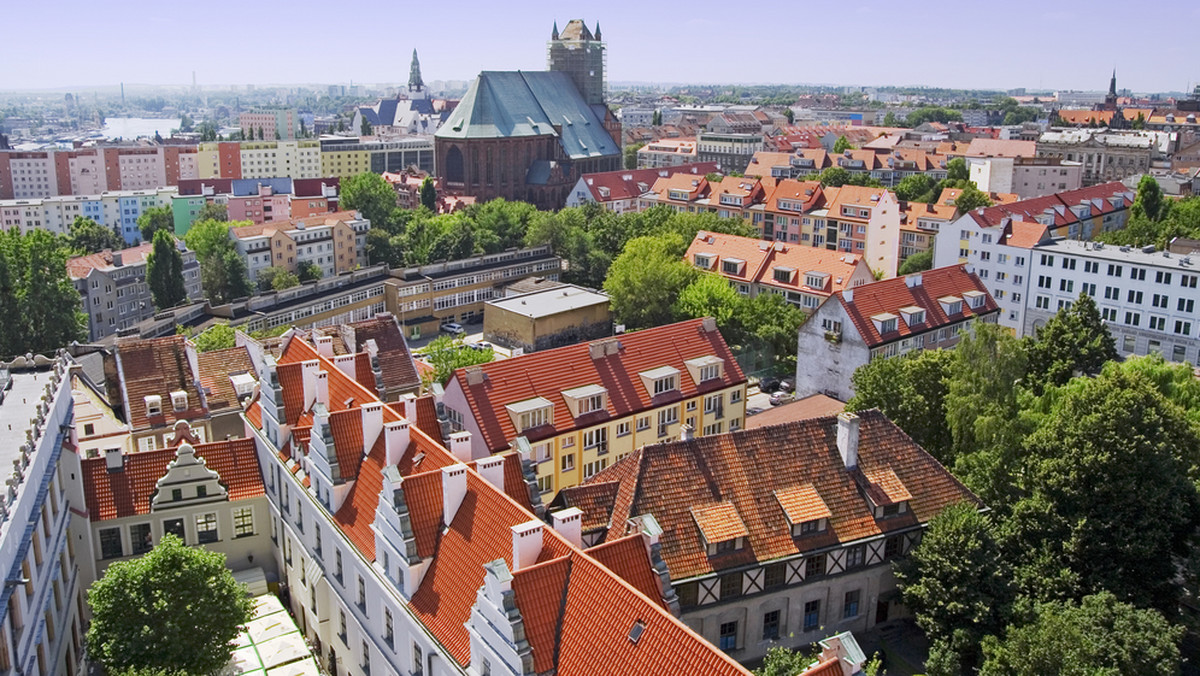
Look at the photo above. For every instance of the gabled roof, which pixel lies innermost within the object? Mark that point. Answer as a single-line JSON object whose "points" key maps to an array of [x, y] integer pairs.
{"points": [[696, 186], [216, 367], [763, 257], [127, 492], [549, 373], [921, 290], [267, 229], [611, 186], [79, 266], [746, 468], [395, 359], [808, 193], [157, 367], [1057, 207], [1023, 234]]}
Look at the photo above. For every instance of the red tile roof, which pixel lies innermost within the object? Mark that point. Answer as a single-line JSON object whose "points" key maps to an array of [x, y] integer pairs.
{"points": [[158, 366], [216, 366], [113, 495], [548, 373], [395, 360], [762, 258], [830, 667], [79, 266], [719, 522], [746, 469], [812, 406], [802, 503], [1057, 208], [629, 558], [891, 295], [628, 184]]}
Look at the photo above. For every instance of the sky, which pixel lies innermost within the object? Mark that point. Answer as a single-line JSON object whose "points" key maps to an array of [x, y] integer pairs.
{"points": [[966, 44]]}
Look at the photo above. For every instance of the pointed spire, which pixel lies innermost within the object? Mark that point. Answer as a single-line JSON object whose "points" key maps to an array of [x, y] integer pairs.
{"points": [[1112, 85], [597, 30], [554, 33], [415, 83]]}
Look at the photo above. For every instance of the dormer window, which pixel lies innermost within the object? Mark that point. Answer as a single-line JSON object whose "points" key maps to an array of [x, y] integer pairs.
{"points": [[153, 405], [732, 266], [665, 385], [660, 380], [913, 315], [179, 400], [731, 200], [706, 368], [885, 322], [975, 299], [951, 305], [531, 413], [721, 527], [782, 274], [681, 195], [806, 512], [703, 260], [816, 280], [586, 399], [885, 492]]}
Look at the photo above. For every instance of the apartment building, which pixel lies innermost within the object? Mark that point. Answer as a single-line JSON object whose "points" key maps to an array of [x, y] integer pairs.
{"points": [[112, 286], [1027, 177], [344, 157], [270, 124], [864, 221], [619, 191], [579, 408], [732, 151], [1075, 214], [804, 276], [259, 200], [93, 170], [259, 159], [889, 166], [667, 152], [926, 310], [785, 208], [680, 192], [404, 556], [775, 536], [334, 242], [1104, 156], [920, 224], [118, 209], [41, 605]]}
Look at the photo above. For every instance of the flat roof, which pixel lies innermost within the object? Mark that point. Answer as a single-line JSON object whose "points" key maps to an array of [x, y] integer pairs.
{"points": [[18, 406], [1120, 254], [549, 302]]}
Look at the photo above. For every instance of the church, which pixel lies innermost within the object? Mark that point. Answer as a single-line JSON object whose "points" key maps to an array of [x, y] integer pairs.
{"points": [[529, 136]]}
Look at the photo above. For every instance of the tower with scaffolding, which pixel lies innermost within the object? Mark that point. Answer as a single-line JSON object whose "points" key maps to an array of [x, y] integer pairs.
{"points": [[580, 54]]}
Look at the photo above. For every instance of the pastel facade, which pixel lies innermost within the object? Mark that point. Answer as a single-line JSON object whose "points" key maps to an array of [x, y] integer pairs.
{"points": [[334, 242]]}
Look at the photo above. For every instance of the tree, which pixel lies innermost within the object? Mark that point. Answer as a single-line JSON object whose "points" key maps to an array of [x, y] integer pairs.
{"points": [[782, 661], [790, 115], [276, 279], [429, 196], [956, 170], [646, 278], [834, 177], [911, 391], [211, 211], [40, 305], [631, 155], [164, 272], [981, 399], [186, 123], [87, 236], [917, 188], [370, 195], [841, 145], [154, 219], [656, 118], [971, 198], [1149, 200], [889, 120], [956, 583], [918, 262], [1075, 340], [445, 354], [310, 271], [773, 323], [176, 609], [712, 296], [365, 128], [303, 129], [222, 270], [260, 132], [1109, 501], [216, 337], [1101, 636]]}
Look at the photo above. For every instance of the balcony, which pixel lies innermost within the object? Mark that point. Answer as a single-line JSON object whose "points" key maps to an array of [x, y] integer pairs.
{"points": [[833, 337]]}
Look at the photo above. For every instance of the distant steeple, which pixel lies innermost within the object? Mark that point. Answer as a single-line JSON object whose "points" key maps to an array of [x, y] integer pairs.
{"points": [[597, 36], [1112, 84], [554, 33], [415, 83]]}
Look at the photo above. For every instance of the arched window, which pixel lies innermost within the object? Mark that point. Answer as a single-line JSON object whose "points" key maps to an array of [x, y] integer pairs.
{"points": [[454, 165]]}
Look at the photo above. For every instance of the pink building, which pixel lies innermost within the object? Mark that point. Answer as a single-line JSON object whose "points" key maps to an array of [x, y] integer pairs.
{"points": [[267, 206]]}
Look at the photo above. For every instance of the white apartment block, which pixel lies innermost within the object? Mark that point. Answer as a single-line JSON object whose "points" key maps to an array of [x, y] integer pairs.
{"points": [[116, 208]]}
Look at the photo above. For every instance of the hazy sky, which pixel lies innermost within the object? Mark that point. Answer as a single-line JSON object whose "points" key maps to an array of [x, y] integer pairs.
{"points": [[968, 43]]}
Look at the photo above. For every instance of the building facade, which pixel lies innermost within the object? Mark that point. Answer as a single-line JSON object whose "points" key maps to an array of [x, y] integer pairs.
{"points": [[93, 170], [269, 124], [731, 151], [335, 243], [546, 319]]}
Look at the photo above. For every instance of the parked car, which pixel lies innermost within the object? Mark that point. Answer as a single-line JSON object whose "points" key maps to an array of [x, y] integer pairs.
{"points": [[482, 346], [768, 384], [453, 328], [786, 385], [782, 397], [753, 410]]}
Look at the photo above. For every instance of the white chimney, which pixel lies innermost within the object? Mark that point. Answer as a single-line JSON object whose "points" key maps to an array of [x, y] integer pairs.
{"points": [[569, 524], [913, 280], [848, 295], [408, 405], [346, 363], [371, 348], [309, 370], [323, 388], [686, 432], [460, 446], [527, 544], [114, 460], [847, 439], [395, 439], [372, 423], [325, 346], [454, 489], [491, 469]]}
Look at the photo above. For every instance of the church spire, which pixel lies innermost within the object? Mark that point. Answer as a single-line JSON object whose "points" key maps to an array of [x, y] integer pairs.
{"points": [[415, 83], [554, 33], [597, 35], [1112, 85]]}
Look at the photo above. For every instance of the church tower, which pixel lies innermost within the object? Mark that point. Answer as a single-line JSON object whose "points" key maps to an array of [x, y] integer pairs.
{"points": [[415, 83], [579, 53]]}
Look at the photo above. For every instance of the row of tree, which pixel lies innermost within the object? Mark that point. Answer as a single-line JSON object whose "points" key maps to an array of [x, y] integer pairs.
{"points": [[1089, 467], [1154, 220]]}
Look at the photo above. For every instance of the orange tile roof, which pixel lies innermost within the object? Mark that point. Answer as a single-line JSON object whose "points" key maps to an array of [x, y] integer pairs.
{"points": [[695, 186], [1058, 206], [890, 295], [745, 468], [1023, 234], [884, 487], [1103, 117], [395, 359], [830, 667], [762, 257], [632, 183], [127, 492], [216, 366], [719, 522], [812, 406], [802, 503], [548, 373], [79, 266], [809, 193], [258, 229], [629, 558], [158, 366]]}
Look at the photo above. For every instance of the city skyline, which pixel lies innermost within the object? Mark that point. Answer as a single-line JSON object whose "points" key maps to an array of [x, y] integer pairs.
{"points": [[651, 45]]}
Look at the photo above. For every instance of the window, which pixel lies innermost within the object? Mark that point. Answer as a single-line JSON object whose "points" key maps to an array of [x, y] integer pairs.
{"points": [[770, 630], [110, 543], [664, 385], [174, 527], [535, 418], [714, 404], [1186, 305], [597, 439], [545, 483], [337, 570], [362, 594], [1042, 302], [243, 522], [667, 417], [1044, 282], [623, 429], [1158, 323], [568, 462], [1137, 273], [1091, 267], [1066, 285], [850, 604], [891, 547], [1161, 277], [774, 575], [388, 634], [814, 566], [854, 556], [1068, 264], [643, 423], [1114, 270], [592, 468], [1134, 297], [140, 539], [1183, 328], [810, 527], [1160, 300], [728, 639], [206, 527], [710, 372], [418, 660], [812, 615], [591, 404], [731, 585], [1187, 281], [1133, 318], [366, 657]]}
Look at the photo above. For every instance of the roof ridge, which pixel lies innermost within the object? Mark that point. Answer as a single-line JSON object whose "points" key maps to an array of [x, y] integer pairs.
{"points": [[562, 609]]}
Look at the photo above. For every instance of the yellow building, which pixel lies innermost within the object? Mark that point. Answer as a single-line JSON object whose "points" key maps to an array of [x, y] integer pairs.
{"points": [[345, 163], [575, 410]]}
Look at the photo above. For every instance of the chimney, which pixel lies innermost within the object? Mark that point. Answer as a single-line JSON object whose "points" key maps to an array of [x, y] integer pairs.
{"points": [[848, 295], [408, 405], [114, 460], [395, 439], [569, 524], [686, 432], [346, 363], [460, 446], [308, 372], [596, 349], [454, 489], [912, 281], [527, 544], [491, 469], [118, 259], [372, 423], [325, 346], [474, 375], [847, 439], [708, 324], [322, 388]]}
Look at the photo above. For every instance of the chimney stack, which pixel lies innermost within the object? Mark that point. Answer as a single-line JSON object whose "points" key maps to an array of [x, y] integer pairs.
{"points": [[847, 439], [325, 346], [474, 375], [569, 524], [322, 388], [114, 459], [395, 440], [686, 432], [460, 446], [848, 295], [308, 371], [454, 489], [491, 469], [346, 363], [913, 280], [527, 544], [372, 423]]}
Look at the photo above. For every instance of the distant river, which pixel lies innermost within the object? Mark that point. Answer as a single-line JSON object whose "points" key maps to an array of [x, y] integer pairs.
{"points": [[130, 128]]}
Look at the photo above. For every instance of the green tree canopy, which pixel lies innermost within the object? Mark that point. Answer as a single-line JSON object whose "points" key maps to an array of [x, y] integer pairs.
{"points": [[40, 305], [1149, 201], [971, 198], [87, 236], [834, 177], [631, 155], [222, 270], [216, 337], [917, 188], [646, 278], [1101, 636], [154, 219], [911, 391], [918, 262], [772, 323], [370, 195], [164, 271], [429, 196], [956, 170], [277, 279], [1075, 340], [211, 211], [956, 583], [445, 354], [310, 272], [841, 145], [177, 609], [712, 296]]}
